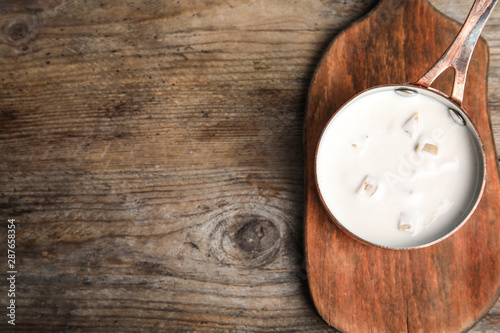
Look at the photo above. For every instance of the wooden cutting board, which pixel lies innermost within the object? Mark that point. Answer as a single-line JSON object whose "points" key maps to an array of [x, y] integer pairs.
{"points": [[447, 287]]}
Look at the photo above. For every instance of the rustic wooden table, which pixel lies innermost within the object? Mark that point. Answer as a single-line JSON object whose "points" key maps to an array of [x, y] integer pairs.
{"points": [[152, 159]]}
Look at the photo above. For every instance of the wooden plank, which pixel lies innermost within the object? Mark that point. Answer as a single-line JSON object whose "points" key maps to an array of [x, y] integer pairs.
{"points": [[147, 144]]}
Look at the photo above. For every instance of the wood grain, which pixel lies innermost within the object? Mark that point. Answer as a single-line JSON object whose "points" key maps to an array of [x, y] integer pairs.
{"points": [[152, 157]]}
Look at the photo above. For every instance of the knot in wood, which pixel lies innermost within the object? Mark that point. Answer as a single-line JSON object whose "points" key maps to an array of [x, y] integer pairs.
{"points": [[18, 30], [256, 235], [250, 236]]}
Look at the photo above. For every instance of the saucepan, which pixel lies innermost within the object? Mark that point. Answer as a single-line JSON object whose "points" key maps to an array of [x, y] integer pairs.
{"points": [[402, 166]]}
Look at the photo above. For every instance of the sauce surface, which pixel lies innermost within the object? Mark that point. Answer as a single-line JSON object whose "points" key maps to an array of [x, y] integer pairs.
{"points": [[397, 171]]}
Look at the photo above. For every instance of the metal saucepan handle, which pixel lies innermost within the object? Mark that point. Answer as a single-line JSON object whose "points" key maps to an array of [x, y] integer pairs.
{"points": [[459, 53]]}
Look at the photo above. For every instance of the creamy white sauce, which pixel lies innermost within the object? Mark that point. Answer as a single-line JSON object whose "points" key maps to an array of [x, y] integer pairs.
{"points": [[420, 193]]}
